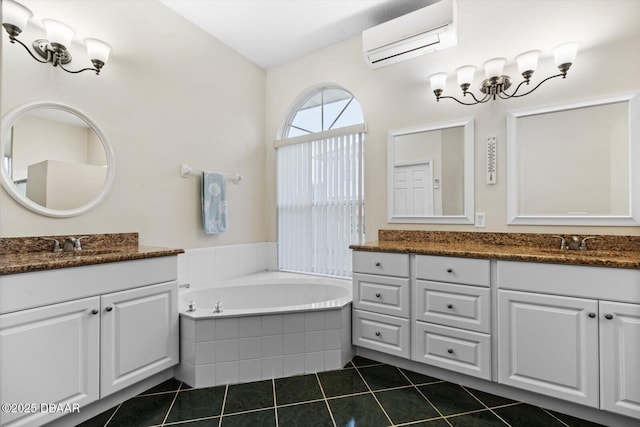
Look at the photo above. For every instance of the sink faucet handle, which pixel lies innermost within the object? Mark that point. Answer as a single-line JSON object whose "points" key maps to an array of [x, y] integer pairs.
{"points": [[563, 243], [77, 246], [56, 244], [583, 243]]}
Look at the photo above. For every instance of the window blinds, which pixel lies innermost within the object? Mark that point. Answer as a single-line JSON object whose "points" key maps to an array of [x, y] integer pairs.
{"points": [[320, 204]]}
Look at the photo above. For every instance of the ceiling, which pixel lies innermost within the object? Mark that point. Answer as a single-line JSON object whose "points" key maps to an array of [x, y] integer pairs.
{"points": [[273, 32]]}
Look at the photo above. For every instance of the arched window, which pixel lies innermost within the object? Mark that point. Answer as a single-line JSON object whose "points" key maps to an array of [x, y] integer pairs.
{"points": [[320, 188]]}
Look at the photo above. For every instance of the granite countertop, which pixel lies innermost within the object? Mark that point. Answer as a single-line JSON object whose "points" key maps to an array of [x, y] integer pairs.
{"points": [[25, 254], [605, 251]]}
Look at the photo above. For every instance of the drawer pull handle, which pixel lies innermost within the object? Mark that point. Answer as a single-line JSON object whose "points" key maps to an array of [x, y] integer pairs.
{"points": [[592, 315], [608, 316], [109, 308], [449, 270], [450, 351], [449, 306], [378, 295], [378, 333], [95, 311], [378, 264]]}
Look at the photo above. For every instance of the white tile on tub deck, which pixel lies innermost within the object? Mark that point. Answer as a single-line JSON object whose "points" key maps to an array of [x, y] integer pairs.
{"points": [[187, 328], [227, 328], [186, 372], [250, 348], [183, 269], [272, 324], [293, 322], [313, 341], [250, 326], [332, 319], [205, 330], [250, 370], [227, 372], [293, 365], [209, 265], [313, 362], [314, 321], [332, 360], [332, 339], [293, 343], [272, 367], [227, 350], [205, 352], [205, 375]]}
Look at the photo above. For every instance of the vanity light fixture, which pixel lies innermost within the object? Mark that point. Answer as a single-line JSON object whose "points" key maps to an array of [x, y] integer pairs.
{"points": [[59, 35], [495, 84]]}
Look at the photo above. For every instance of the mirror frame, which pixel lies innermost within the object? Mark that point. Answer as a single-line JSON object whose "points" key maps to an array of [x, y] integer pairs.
{"points": [[469, 175], [633, 217], [5, 180]]}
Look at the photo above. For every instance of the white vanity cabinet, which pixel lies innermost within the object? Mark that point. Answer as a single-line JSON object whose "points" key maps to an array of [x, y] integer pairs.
{"points": [[381, 294], [571, 332], [452, 306], [76, 335]]}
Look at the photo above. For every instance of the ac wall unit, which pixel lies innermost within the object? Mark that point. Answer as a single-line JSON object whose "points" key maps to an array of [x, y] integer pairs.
{"points": [[425, 30]]}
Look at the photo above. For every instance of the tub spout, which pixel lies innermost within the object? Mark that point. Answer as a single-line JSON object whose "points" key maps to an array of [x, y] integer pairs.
{"points": [[192, 306], [217, 308]]}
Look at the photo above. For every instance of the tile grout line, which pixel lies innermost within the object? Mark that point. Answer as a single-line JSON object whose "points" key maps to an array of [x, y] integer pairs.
{"points": [[275, 401], [326, 401], [171, 406], [567, 425], [375, 397], [224, 403], [485, 405], [112, 415], [425, 397]]}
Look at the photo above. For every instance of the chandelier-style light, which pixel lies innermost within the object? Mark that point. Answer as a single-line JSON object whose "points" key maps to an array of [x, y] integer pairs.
{"points": [[59, 35], [495, 84]]}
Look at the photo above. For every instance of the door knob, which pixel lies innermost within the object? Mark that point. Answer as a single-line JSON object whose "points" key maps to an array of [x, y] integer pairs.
{"points": [[592, 315], [450, 351], [449, 306], [378, 264], [608, 316], [449, 270], [377, 334], [378, 295], [95, 311], [109, 308]]}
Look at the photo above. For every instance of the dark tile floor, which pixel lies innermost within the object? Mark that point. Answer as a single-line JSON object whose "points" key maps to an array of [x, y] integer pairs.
{"points": [[363, 394]]}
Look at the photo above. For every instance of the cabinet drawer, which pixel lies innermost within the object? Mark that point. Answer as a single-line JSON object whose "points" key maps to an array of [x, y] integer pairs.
{"points": [[449, 348], [389, 264], [380, 332], [381, 294], [450, 269], [458, 306]]}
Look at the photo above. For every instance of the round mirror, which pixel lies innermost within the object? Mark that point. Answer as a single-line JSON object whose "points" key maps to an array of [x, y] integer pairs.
{"points": [[55, 159]]}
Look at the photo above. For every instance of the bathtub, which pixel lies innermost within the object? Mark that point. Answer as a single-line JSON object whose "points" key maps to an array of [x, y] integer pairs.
{"points": [[271, 325]]}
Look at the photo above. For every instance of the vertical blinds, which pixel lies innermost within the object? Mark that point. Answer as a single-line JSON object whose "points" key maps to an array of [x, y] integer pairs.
{"points": [[320, 204]]}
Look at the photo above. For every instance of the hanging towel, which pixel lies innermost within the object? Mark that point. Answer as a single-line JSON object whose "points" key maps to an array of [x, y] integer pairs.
{"points": [[214, 202]]}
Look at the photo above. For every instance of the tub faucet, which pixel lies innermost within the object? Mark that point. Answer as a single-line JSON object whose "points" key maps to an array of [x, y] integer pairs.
{"points": [[217, 308]]}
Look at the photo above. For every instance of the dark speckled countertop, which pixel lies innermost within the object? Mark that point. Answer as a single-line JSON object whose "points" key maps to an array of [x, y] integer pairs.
{"points": [[25, 254], [604, 251]]}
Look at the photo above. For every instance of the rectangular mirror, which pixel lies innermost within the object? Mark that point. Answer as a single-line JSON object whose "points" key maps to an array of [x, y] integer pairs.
{"points": [[575, 164], [430, 174]]}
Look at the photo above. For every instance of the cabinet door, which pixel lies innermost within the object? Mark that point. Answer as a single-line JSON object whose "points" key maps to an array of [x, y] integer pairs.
{"points": [[619, 350], [549, 344], [49, 355], [381, 294], [139, 335]]}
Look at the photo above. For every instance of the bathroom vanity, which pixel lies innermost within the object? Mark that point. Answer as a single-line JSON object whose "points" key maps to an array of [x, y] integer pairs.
{"points": [[78, 327], [512, 314]]}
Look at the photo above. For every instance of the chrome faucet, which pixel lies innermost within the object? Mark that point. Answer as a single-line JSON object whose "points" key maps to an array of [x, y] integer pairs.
{"points": [[583, 243], [574, 243], [217, 308], [563, 243], [56, 244], [73, 244]]}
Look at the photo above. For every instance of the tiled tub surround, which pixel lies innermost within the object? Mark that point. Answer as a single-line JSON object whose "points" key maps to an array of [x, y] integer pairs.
{"points": [[272, 324], [25, 254], [605, 250]]}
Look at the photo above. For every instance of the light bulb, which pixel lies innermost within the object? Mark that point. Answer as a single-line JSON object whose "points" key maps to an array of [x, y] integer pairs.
{"points": [[438, 81], [528, 61], [13, 13], [58, 32], [465, 76], [565, 53], [97, 50], [493, 67]]}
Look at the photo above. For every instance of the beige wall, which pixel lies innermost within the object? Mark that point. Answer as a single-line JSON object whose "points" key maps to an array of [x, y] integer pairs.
{"points": [[399, 96], [169, 94]]}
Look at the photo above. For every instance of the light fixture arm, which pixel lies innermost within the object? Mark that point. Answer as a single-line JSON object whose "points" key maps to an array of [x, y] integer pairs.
{"points": [[513, 95], [12, 39]]}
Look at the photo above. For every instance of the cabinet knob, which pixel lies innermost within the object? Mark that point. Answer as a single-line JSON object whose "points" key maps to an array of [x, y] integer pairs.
{"points": [[608, 316], [378, 295], [378, 264], [592, 315], [450, 351], [449, 306], [95, 311], [377, 334], [449, 270], [109, 308]]}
